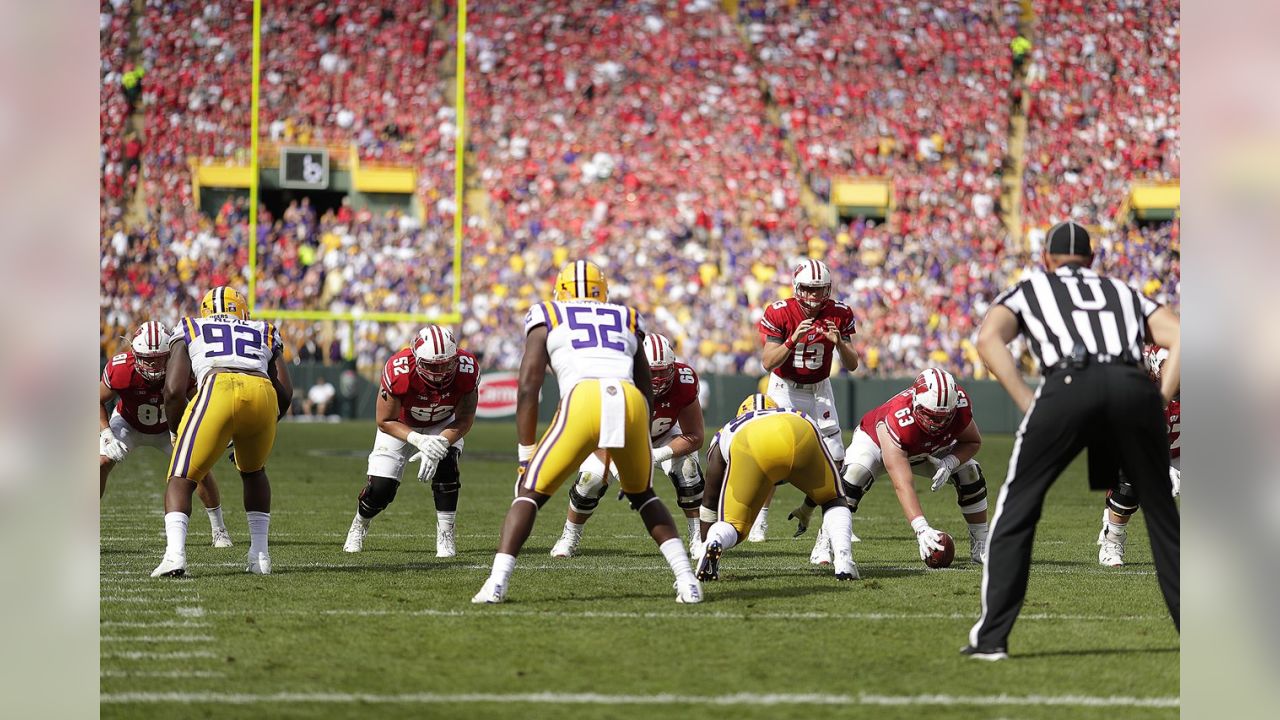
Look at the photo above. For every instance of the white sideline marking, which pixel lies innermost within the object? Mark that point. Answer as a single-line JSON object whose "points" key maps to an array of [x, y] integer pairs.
{"points": [[162, 674], [677, 614], [750, 699], [143, 655], [156, 638], [156, 624]]}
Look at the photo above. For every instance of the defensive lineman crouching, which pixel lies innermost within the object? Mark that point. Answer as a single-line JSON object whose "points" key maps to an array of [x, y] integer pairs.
{"points": [[426, 405]]}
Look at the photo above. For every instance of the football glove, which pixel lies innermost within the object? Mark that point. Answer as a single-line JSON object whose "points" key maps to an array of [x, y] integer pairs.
{"points": [[802, 515], [926, 537], [1175, 477], [111, 448], [946, 466], [433, 447], [427, 470], [662, 454]]}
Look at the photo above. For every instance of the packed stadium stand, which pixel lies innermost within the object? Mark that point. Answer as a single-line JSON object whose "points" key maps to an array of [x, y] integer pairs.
{"points": [[688, 149]]}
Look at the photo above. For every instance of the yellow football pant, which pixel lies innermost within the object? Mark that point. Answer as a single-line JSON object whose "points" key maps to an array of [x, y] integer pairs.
{"points": [[575, 433], [769, 450], [229, 406]]}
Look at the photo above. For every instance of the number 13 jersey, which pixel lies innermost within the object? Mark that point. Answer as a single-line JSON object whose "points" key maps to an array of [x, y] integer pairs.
{"points": [[587, 339], [810, 362], [223, 342]]}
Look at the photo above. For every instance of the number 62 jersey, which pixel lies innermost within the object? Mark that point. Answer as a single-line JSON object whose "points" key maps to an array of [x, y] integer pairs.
{"points": [[810, 362], [422, 404]]}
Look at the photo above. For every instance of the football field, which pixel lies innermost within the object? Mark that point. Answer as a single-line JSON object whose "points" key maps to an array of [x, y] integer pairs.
{"points": [[391, 632]]}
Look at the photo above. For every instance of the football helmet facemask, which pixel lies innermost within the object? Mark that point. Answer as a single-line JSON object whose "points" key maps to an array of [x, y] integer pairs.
{"points": [[812, 286], [934, 399], [224, 300], [150, 346], [435, 355]]}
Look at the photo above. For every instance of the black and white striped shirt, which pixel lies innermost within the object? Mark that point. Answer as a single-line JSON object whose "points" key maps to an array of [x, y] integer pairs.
{"points": [[1074, 306]]}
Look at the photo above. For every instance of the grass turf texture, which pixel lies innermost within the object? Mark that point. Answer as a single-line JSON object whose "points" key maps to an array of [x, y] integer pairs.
{"points": [[395, 620]]}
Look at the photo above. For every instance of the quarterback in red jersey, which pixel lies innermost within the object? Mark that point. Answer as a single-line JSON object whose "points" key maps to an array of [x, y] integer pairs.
{"points": [[927, 429], [1122, 502], [800, 336], [676, 432], [426, 406], [134, 382]]}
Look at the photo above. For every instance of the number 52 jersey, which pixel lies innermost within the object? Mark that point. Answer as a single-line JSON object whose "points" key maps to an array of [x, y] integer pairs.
{"points": [[228, 343], [588, 339]]}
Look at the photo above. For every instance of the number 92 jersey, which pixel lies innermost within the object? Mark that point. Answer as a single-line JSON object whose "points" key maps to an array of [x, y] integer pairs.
{"points": [[224, 342], [422, 404], [810, 362], [587, 339]]}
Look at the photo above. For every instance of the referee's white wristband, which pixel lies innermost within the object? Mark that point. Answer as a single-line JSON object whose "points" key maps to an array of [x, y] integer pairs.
{"points": [[525, 452]]}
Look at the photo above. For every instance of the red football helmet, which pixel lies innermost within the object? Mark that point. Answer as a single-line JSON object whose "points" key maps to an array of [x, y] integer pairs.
{"points": [[934, 400], [662, 362], [150, 346], [812, 285], [435, 353]]}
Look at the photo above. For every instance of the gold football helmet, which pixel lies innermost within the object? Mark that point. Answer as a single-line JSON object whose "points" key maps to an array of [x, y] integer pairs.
{"points": [[758, 401], [224, 300], [581, 280]]}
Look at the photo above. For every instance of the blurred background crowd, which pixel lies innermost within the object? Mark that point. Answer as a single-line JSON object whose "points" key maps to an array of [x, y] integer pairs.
{"points": [[688, 146]]}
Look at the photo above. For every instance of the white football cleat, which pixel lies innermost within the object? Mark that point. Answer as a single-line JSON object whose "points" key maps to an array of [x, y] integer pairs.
{"points": [[977, 548], [688, 593], [171, 566], [846, 568], [1111, 552], [355, 537], [695, 548], [567, 545], [759, 529], [221, 538], [821, 554], [444, 542], [491, 594], [259, 564]]}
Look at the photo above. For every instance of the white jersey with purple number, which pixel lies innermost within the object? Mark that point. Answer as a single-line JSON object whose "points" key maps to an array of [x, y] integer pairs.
{"points": [[225, 342], [587, 339]]}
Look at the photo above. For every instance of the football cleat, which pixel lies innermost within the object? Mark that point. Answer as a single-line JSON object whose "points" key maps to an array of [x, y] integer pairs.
{"points": [[221, 538], [581, 280], [688, 593], [171, 566], [355, 537], [1111, 553], [695, 547], [709, 565], [224, 300], [988, 654], [259, 563], [491, 594], [567, 545], [821, 553], [846, 568], [759, 529], [977, 549], [444, 542]]}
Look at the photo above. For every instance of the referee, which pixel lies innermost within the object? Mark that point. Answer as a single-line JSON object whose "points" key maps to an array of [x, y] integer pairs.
{"points": [[1088, 332]]}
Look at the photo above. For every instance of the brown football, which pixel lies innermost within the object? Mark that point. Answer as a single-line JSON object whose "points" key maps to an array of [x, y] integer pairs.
{"points": [[942, 558]]}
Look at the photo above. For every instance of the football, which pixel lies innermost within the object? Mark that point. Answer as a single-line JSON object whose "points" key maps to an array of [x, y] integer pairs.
{"points": [[942, 558]]}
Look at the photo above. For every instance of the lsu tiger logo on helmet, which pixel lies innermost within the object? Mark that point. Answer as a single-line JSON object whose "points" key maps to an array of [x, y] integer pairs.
{"points": [[435, 354], [150, 345], [224, 300], [581, 280], [757, 401]]}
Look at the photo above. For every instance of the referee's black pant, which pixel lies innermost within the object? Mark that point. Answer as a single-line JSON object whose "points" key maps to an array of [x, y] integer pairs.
{"points": [[1113, 408]]}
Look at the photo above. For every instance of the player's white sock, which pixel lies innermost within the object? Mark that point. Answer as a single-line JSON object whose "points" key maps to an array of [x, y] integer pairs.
{"points": [[724, 533], [175, 532], [978, 530], [215, 518], [446, 519], [259, 523], [673, 550], [837, 521], [503, 564], [1117, 531], [573, 527], [364, 521], [695, 526]]}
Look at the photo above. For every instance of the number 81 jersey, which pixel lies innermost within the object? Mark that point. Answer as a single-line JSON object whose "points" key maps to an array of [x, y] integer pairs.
{"points": [[588, 339], [225, 342], [810, 362], [422, 404]]}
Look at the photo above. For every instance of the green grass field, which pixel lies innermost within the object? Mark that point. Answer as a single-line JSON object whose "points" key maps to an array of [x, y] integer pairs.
{"points": [[391, 631]]}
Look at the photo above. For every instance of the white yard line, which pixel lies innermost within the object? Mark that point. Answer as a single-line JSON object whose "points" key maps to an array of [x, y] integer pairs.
{"points": [[162, 674], [155, 624], [550, 698], [155, 638], [145, 655], [489, 611]]}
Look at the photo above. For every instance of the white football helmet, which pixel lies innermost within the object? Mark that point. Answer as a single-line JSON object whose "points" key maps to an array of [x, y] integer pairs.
{"points": [[812, 285], [435, 353], [934, 399], [662, 362], [1153, 358], [150, 346]]}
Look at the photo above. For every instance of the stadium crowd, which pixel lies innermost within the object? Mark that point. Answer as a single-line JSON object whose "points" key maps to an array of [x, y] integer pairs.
{"points": [[676, 145]]}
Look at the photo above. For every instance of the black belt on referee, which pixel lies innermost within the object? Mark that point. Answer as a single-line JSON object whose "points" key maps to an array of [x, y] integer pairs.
{"points": [[1079, 359]]}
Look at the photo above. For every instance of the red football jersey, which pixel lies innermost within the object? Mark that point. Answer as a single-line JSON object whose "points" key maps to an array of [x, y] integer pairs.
{"points": [[1173, 416], [810, 362], [907, 433], [682, 393], [141, 401], [423, 405]]}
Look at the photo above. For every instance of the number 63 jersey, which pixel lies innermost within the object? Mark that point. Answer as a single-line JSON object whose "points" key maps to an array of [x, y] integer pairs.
{"points": [[810, 362], [422, 404], [224, 342], [588, 339]]}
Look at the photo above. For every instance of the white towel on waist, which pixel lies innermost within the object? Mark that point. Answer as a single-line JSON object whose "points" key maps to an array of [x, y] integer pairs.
{"points": [[613, 414]]}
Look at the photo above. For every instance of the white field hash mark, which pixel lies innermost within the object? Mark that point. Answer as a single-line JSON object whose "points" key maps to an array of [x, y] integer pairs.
{"points": [[155, 638], [751, 699]]}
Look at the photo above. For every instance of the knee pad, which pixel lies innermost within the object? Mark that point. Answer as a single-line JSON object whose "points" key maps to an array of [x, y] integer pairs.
{"points": [[585, 494], [1123, 500], [640, 499], [687, 477], [448, 477], [856, 481], [971, 488], [377, 494]]}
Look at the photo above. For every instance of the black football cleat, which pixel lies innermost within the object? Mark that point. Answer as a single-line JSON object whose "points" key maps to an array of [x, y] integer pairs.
{"points": [[709, 565], [988, 654]]}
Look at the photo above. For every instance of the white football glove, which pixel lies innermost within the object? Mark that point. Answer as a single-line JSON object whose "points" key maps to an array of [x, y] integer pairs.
{"points": [[111, 448], [1175, 476], [434, 447], [926, 537], [946, 466], [427, 470], [662, 454]]}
